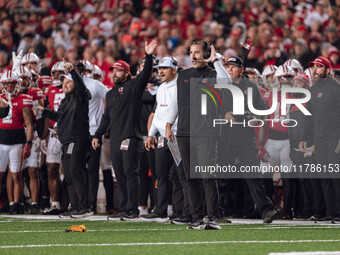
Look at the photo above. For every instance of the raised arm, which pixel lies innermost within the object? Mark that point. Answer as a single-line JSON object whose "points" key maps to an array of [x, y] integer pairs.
{"points": [[144, 76]]}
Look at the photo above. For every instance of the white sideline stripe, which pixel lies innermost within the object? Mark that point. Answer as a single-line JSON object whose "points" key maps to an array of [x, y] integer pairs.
{"points": [[163, 243], [94, 230], [307, 253], [161, 229]]}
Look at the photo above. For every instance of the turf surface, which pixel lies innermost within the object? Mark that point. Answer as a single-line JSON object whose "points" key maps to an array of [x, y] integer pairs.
{"points": [[107, 237]]}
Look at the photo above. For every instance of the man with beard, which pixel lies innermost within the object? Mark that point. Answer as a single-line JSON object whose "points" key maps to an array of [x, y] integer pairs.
{"points": [[324, 106], [122, 119]]}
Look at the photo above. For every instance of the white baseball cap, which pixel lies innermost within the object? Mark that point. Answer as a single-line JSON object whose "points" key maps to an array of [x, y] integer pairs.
{"points": [[63, 76], [167, 62]]}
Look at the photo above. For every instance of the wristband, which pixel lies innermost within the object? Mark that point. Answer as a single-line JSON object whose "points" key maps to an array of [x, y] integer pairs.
{"points": [[29, 143], [215, 60]]}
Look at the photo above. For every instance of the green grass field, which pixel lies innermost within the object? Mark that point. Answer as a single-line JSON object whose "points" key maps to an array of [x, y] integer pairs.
{"points": [[47, 236]]}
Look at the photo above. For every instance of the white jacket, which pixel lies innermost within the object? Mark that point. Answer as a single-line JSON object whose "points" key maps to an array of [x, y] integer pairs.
{"points": [[166, 93]]}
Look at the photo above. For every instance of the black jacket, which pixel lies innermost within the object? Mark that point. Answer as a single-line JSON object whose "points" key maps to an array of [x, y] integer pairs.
{"points": [[123, 107], [190, 120], [324, 106], [72, 116]]}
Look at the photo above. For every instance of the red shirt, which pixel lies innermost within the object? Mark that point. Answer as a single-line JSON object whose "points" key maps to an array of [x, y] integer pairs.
{"points": [[276, 125], [54, 96], [15, 119]]}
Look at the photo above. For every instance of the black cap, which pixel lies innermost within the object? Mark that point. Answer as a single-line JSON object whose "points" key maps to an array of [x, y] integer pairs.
{"points": [[236, 61]]}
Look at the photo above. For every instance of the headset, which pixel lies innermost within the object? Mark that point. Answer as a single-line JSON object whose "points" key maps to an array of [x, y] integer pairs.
{"points": [[175, 62], [206, 50]]}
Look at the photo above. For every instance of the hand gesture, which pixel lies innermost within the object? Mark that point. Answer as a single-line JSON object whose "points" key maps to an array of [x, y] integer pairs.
{"points": [[303, 146], [169, 134], [247, 45], [149, 49], [3, 103], [95, 143], [68, 65], [212, 55], [229, 117], [16, 60], [150, 143], [263, 154]]}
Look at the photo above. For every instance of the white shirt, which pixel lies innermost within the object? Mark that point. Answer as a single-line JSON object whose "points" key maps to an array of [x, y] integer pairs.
{"points": [[96, 105], [167, 92]]}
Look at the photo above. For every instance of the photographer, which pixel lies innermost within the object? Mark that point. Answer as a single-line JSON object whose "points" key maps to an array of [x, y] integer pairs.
{"points": [[239, 142], [73, 133]]}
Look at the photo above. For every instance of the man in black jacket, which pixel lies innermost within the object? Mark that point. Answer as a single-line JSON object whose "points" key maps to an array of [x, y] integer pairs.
{"points": [[240, 141], [122, 119], [197, 139], [73, 132], [324, 106]]}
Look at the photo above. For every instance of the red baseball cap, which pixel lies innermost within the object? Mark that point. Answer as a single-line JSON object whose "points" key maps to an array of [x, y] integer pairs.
{"points": [[120, 65], [320, 61]]}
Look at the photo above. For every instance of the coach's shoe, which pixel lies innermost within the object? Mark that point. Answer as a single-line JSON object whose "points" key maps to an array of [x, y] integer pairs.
{"points": [[270, 216], [196, 224], [154, 217], [211, 223], [325, 218], [175, 215], [181, 221], [82, 213], [68, 213], [34, 209], [52, 211], [116, 217], [223, 220], [131, 216]]}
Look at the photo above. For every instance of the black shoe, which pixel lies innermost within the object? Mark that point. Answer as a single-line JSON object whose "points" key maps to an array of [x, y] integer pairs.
{"points": [[154, 217], [67, 214], [93, 209], [175, 215], [12, 209], [211, 223], [181, 221], [223, 220], [82, 213], [52, 211], [325, 218], [132, 216], [302, 217], [34, 209], [116, 217], [270, 216], [196, 224]]}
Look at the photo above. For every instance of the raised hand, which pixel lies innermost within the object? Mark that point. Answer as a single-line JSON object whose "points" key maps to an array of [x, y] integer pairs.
{"points": [[68, 65], [212, 55], [149, 49]]}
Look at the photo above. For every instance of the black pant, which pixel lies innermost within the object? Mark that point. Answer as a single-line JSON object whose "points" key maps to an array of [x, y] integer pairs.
{"points": [[125, 165], [246, 151], [164, 163], [201, 152], [147, 184], [74, 164], [325, 154], [306, 188], [93, 175]]}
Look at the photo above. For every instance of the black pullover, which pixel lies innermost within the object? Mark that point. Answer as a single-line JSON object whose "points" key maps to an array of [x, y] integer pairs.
{"points": [[72, 116], [324, 106], [122, 116]]}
